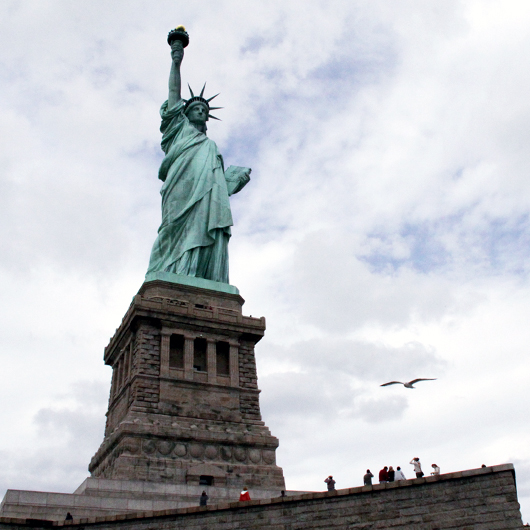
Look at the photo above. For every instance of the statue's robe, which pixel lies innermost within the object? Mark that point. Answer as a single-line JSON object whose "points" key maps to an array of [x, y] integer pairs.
{"points": [[196, 218]]}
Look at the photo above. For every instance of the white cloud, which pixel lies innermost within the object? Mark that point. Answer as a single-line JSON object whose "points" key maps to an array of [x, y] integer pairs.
{"points": [[384, 233]]}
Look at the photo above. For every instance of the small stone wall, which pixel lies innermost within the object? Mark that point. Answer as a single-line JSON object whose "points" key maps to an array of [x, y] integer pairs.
{"points": [[478, 499]]}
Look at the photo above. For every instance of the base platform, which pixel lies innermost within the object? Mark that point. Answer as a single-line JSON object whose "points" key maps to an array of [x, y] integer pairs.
{"points": [[98, 497]]}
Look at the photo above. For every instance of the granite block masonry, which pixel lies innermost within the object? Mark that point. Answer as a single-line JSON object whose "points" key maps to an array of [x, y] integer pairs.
{"points": [[184, 401], [477, 499]]}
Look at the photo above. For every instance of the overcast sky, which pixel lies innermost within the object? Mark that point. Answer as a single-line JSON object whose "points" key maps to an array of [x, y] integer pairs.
{"points": [[384, 234]]}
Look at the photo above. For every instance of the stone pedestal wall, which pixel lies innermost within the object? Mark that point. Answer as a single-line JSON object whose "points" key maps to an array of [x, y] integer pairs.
{"points": [[479, 499], [195, 421], [101, 497]]}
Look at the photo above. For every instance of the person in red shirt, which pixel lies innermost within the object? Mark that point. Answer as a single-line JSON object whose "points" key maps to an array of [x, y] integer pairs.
{"points": [[383, 475], [245, 496]]}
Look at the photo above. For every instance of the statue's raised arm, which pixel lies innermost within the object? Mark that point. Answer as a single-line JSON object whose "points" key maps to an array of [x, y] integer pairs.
{"points": [[177, 54], [196, 218]]}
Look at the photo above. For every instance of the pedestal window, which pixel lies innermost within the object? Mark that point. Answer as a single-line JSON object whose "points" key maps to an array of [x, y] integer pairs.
{"points": [[200, 346], [205, 480], [176, 351], [223, 358]]}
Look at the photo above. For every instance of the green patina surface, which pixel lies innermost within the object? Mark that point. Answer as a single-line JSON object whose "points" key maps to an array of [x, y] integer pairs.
{"points": [[196, 218], [192, 281]]}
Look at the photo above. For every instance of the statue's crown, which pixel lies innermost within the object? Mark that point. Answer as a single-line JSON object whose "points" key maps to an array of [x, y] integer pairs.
{"points": [[200, 99], [179, 33]]}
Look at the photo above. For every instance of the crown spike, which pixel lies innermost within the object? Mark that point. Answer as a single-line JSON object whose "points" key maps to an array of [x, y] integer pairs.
{"points": [[201, 99]]}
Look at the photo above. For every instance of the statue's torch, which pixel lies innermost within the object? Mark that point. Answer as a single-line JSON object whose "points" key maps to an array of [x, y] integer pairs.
{"points": [[179, 33]]}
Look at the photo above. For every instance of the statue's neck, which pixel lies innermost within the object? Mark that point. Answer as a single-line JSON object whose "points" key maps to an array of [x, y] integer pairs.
{"points": [[201, 127]]}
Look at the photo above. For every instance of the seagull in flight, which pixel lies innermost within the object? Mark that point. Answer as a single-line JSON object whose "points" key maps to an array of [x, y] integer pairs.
{"points": [[409, 384]]}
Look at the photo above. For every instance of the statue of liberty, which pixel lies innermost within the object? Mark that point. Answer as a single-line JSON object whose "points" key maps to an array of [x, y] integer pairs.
{"points": [[196, 218]]}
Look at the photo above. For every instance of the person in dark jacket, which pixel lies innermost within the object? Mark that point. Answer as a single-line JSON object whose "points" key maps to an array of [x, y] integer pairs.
{"points": [[330, 482], [203, 500], [391, 474]]}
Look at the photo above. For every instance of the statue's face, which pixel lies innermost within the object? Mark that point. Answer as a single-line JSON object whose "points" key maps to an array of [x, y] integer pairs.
{"points": [[198, 114]]}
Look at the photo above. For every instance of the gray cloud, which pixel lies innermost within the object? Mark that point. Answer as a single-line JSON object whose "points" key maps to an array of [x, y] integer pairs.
{"points": [[384, 232], [63, 439], [330, 380], [381, 410], [363, 361]]}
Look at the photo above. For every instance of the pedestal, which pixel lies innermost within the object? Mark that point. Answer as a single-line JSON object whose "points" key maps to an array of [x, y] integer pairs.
{"points": [[184, 401]]}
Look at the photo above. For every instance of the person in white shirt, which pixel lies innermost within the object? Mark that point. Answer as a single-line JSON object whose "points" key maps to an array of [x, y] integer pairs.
{"points": [[436, 470], [417, 467], [399, 474]]}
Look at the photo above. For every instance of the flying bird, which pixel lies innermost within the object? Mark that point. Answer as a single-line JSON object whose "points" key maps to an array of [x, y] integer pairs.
{"points": [[409, 384]]}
